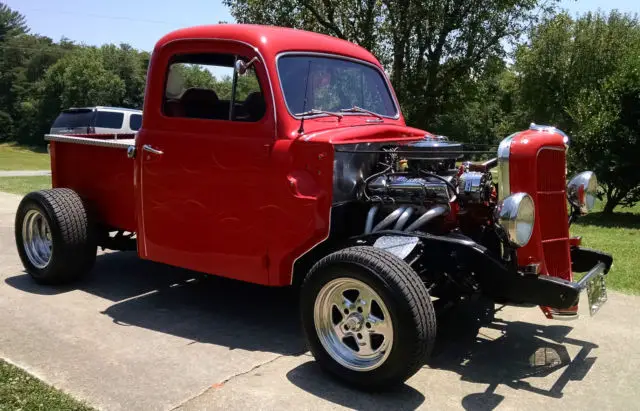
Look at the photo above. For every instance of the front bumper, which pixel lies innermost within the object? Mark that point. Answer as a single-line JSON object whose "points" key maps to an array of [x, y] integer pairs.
{"points": [[560, 297], [502, 282]]}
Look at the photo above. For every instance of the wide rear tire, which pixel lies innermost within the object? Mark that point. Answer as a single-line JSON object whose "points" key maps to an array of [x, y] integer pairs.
{"points": [[54, 236], [368, 317]]}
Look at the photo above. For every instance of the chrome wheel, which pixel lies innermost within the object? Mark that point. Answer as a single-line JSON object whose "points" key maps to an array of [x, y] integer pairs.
{"points": [[353, 324], [36, 238]]}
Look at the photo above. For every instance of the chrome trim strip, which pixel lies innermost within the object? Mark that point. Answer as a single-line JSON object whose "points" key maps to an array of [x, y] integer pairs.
{"points": [[504, 151], [340, 57], [122, 144]]}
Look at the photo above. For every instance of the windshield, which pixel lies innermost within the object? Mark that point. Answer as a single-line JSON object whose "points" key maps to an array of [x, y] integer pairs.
{"points": [[334, 84]]}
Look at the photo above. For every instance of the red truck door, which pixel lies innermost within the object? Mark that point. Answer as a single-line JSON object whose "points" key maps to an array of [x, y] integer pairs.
{"points": [[203, 160]]}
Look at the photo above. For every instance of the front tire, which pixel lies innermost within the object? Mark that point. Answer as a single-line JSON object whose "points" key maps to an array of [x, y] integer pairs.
{"points": [[54, 236], [368, 317]]}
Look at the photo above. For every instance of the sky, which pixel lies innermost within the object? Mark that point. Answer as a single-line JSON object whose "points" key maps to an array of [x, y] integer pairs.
{"points": [[141, 23]]}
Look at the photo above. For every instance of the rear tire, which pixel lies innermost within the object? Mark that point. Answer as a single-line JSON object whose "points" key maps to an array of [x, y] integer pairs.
{"points": [[54, 236], [383, 297]]}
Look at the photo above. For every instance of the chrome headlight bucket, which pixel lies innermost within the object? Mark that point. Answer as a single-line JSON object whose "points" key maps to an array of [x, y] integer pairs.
{"points": [[516, 215], [582, 191]]}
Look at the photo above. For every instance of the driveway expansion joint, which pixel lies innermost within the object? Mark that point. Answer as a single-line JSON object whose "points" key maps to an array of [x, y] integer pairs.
{"points": [[221, 384]]}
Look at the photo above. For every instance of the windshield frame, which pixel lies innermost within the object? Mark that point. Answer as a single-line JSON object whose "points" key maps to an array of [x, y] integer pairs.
{"points": [[338, 57]]}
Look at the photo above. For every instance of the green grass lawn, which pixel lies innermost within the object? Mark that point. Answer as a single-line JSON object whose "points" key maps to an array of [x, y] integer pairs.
{"points": [[21, 391], [618, 235], [15, 157], [24, 185]]}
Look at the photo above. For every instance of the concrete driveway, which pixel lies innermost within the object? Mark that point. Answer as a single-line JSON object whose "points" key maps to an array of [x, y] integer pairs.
{"points": [[138, 335]]}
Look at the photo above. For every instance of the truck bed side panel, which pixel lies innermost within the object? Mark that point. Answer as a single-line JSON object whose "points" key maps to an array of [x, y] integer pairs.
{"points": [[102, 176]]}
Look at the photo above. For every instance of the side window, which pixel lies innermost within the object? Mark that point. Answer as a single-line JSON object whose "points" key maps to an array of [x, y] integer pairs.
{"points": [[109, 119], [135, 122], [201, 86]]}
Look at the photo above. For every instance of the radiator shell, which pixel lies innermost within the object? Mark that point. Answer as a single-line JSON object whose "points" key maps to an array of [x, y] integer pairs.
{"points": [[537, 165]]}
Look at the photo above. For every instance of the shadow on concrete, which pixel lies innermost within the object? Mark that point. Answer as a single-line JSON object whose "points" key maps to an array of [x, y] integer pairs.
{"points": [[484, 349], [311, 378], [238, 315], [205, 309], [481, 349]]}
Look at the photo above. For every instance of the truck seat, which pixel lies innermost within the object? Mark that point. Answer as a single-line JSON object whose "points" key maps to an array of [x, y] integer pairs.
{"points": [[254, 106], [173, 108], [199, 103]]}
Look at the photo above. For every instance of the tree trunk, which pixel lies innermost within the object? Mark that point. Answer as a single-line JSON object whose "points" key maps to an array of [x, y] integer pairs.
{"points": [[611, 203]]}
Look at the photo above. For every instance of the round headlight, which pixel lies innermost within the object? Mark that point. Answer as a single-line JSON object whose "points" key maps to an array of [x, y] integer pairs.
{"points": [[582, 190], [516, 214]]}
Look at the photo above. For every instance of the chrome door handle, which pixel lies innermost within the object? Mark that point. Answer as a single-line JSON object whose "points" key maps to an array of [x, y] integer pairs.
{"points": [[152, 150]]}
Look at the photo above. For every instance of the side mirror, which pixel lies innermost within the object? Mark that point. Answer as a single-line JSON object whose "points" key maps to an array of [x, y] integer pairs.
{"points": [[582, 190], [241, 66]]}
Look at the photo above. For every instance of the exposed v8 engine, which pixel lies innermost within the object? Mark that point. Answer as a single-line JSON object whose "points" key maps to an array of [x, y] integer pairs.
{"points": [[419, 182], [410, 188]]}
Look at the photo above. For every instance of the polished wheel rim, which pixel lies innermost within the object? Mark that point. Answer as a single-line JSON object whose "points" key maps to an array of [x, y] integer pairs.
{"points": [[353, 324], [36, 238]]}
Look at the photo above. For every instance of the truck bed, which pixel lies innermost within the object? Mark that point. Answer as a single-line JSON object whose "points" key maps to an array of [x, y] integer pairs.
{"points": [[98, 169]]}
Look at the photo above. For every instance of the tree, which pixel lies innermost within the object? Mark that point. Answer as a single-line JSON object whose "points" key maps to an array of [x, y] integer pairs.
{"points": [[39, 77], [12, 23], [584, 76], [432, 48], [488, 112], [78, 79], [23, 61], [131, 67]]}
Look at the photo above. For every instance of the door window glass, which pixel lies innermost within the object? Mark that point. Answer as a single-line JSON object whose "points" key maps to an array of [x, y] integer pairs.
{"points": [[201, 86]]}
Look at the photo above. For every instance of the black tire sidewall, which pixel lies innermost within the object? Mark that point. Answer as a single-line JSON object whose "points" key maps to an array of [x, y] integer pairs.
{"points": [[68, 260], [34, 201], [404, 328]]}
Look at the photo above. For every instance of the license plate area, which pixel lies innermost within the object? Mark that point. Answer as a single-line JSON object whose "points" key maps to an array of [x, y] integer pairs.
{"points": [[596, 293]]}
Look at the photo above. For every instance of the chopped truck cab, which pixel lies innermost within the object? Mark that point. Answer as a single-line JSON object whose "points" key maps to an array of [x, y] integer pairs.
{"points": [[299, 170]]}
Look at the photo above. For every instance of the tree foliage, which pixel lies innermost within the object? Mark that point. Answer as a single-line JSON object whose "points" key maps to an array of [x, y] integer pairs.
{"points": [[433, 49], [12, 23], [584, 76], [40, 77]]}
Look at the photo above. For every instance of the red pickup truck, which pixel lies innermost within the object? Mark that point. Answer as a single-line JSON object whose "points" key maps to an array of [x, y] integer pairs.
{"points": [[280, 157]]}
